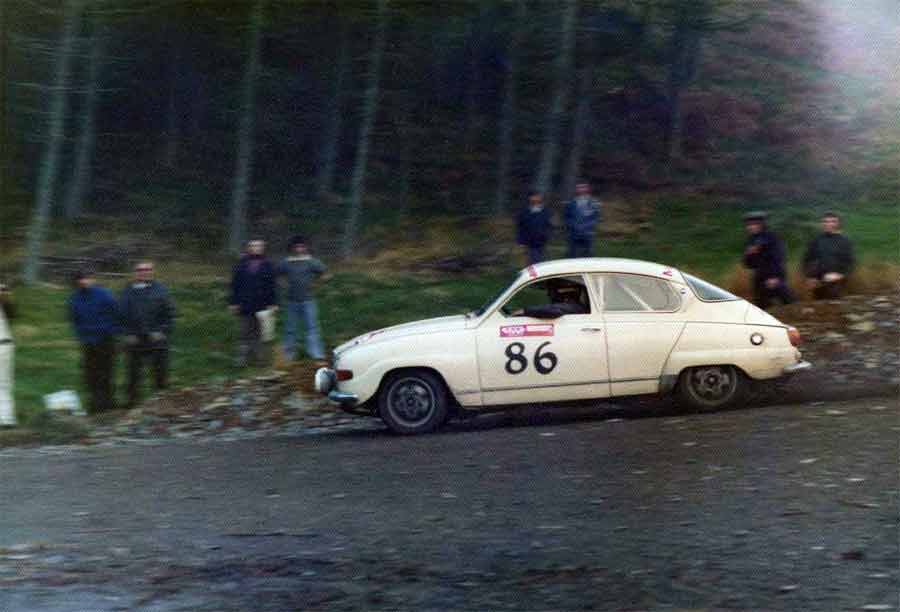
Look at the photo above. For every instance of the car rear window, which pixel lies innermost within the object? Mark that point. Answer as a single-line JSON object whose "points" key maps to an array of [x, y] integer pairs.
{"points": [[632, 292], [707, 291]]}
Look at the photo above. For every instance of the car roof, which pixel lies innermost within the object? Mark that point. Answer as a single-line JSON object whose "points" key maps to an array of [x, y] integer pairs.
{"points": [[602, 264]]}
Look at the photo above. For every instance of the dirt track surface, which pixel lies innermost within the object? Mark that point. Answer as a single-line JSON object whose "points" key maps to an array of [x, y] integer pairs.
{"points": [[768, 508]]}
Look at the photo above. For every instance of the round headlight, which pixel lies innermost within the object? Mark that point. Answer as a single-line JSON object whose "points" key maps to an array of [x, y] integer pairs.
{"points": [[756, 339]]}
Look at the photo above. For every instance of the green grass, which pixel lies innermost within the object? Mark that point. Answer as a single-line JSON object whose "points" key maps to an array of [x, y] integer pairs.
{"points": [[359, 298], [47, 354]]}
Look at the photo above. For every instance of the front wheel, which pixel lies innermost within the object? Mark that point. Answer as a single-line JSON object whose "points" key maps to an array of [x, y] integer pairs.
{"points": [[413, 402], [711, 387]]}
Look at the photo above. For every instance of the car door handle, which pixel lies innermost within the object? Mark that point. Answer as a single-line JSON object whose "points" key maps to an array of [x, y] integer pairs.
{"points": [[591, 329]]}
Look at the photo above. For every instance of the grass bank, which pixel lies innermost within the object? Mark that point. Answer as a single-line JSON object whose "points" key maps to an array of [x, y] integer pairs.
{"points": [[401, 284]]}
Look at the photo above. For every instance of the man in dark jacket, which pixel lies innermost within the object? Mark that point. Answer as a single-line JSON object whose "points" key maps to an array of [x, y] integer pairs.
{"points": [[534, 227], [95, 318], [582, 215], [252, 292], [829, 260], [147, 316], [764, 254]]}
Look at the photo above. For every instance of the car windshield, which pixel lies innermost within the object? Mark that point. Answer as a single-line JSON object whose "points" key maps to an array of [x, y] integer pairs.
{"points": [[709, 292], [494, 298]]}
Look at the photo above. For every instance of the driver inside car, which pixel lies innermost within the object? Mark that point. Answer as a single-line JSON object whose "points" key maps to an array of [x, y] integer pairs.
{"points": [[564, 299]]}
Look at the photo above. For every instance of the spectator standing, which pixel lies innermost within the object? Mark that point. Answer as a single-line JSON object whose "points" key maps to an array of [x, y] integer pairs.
{"points": [[7, 313], [582, 215], [147, 317], [534, 227], [829, 260], [300, 269], [764, 254], [252, 291], [95, 319]]}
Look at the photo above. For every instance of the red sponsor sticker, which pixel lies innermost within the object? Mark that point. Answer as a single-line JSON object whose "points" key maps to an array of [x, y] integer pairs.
{"points": [[532, 272], [523, 331]]}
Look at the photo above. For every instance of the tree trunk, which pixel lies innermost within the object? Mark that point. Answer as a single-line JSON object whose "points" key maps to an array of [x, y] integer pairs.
{"points": [[246, 143], [685, 51], [331, 142], [473, 115], [173, 123], [509, 111], [580, 131], [370, 110], [84, 158], [562, 70], [37, 230], [404, 131]]}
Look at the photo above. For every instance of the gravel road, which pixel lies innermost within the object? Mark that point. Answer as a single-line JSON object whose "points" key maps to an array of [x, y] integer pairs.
{"points": [[790, 507]]}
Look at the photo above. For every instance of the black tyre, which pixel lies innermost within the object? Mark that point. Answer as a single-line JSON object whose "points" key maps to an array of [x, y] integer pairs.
{"points": [[711, 387], [413, 402]]}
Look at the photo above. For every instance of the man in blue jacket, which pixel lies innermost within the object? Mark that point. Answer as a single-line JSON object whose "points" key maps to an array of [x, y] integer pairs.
{"points": [[764, 254], [534, 227], [95, 319], [252, 292], [582, 215], [147, 317]]}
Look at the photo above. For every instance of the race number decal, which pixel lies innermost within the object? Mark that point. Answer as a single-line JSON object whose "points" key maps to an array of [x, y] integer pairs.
{"points": [[516, 364], [544, 361], [523, 331]]}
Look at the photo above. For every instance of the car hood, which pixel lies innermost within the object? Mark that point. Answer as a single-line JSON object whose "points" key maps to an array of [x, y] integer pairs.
{"points": [[426, 326]]}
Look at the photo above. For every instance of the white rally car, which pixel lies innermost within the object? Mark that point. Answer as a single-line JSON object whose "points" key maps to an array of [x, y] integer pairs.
{"points": [[568, 329]]}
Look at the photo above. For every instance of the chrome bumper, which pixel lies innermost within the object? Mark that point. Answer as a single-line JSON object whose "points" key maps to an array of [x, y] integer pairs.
{"points": [[325, 380], [797, 367], [325, 383], [343, 398]]}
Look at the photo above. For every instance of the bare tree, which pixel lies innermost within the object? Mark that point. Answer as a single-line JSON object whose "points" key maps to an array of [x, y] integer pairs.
{"points": [[370, 110], [40, 219], [173, 108], [509, 110], [246, 141], [582, 125], [562, 70], [332, 138], [473, 112], [83, 169]]}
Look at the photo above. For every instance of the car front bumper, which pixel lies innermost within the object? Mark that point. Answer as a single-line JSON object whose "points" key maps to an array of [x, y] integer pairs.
{"points": [[326, 384]]}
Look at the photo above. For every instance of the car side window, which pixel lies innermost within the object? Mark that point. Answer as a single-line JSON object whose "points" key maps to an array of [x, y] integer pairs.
{"points": [[550, 298], [632, 292]]}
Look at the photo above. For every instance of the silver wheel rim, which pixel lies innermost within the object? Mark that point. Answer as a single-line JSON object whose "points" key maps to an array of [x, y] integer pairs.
{"points": [[411, 401], [713, 384]]}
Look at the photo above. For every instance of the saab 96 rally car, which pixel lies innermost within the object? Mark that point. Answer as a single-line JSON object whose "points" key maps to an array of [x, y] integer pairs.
{"points": [[568, 329]]}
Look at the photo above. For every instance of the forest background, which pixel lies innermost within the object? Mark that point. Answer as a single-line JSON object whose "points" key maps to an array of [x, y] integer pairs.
{"points": [[401, 138]]}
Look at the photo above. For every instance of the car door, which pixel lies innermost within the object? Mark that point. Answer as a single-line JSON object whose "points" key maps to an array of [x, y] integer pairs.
{"points": [[524, 359], [643, 320]]}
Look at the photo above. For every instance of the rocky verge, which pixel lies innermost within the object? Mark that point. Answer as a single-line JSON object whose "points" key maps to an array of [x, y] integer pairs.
{"points": [[853, 343]]}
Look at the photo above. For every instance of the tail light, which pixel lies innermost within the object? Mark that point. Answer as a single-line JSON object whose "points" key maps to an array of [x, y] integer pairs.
{"points": [[794, 336], [343, 374]]}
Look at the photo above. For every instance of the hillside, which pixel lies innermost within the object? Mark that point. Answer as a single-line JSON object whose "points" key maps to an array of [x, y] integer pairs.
{"points": [[780, 105]]}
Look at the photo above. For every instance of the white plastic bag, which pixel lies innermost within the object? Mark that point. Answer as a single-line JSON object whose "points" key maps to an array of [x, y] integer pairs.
{"points": [[64, 401], [266, 320]]}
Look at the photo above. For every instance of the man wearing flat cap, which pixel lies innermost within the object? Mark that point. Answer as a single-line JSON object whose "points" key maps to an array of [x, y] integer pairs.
{"points": [[764, 254]]}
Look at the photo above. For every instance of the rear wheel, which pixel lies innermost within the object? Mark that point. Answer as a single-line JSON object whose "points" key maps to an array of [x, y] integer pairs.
{"points": [[413, 402], [711, 387]]}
